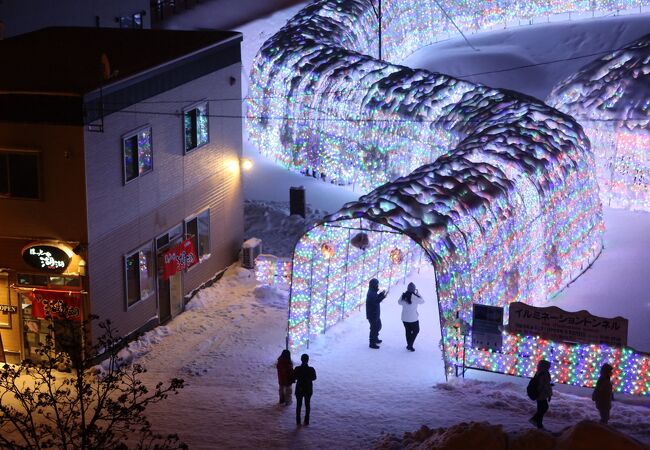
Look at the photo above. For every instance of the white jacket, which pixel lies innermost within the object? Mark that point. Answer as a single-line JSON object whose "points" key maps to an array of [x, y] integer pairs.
{"points": [[410, 311]]}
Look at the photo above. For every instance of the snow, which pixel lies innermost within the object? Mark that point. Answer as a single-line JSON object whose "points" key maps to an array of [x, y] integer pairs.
{"points": [[226, 342], [501, 53]]}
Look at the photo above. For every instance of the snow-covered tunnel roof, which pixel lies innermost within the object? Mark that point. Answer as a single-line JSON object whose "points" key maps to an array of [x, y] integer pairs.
{"points": [[615, 87], [610, 97]]}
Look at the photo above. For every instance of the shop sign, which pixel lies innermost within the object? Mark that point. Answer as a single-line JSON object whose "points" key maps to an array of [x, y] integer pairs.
{"points": [[487, 326], [46, 257], [558, 325], [179, 258], [8, 309], [56, 304]]}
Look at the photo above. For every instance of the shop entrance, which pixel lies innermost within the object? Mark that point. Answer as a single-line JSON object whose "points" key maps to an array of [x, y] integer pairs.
{"points": [[170, 290], [50, 306]]}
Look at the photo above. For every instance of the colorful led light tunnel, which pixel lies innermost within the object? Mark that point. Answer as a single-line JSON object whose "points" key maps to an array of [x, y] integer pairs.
{"points": [[610, 97], [496, 190]]}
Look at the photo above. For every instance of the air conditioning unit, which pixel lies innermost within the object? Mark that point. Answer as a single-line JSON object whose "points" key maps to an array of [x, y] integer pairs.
{"points": [[249, 251]]}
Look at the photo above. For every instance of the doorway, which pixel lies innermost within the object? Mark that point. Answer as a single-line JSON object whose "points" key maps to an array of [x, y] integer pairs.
{"points": [[170, 290]]}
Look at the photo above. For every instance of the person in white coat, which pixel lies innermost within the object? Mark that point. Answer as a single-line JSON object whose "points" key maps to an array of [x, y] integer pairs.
{"points": [[410, 301]]}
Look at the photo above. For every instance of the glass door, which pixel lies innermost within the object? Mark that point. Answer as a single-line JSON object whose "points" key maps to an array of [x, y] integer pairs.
{"points": [[170, 290]]}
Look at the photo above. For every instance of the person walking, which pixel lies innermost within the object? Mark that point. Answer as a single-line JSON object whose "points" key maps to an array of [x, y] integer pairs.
{"points": [[284, 367], [304, 375], [544, 392], [603, 394], [410, 301], [373, 311]]}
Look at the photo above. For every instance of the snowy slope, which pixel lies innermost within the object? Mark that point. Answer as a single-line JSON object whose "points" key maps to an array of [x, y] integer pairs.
{"points": [[530, 59]]}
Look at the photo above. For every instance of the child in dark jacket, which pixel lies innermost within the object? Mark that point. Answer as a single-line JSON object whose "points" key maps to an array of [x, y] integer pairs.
{"points": [[602, 394], [285, 376]]}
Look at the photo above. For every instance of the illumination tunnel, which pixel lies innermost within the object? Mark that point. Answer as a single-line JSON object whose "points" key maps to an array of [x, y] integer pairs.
{"points": [[495, 188]]}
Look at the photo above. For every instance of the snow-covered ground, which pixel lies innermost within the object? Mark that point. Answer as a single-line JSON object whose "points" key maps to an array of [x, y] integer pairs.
{"points": [[226, 343], [530, 59]]}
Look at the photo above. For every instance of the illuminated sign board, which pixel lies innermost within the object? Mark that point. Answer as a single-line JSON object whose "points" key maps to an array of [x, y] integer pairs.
{"points": [[46, 257]]}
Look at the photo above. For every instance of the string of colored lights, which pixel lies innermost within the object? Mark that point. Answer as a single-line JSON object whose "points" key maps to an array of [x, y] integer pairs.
{"points": [[273, 271], [502, 200], [576, 364], [324, 49], [610, 97]]}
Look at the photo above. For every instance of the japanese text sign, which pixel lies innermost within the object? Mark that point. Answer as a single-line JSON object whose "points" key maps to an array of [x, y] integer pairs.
{"points": [[56, 304], [179, 258], [556, 324]]}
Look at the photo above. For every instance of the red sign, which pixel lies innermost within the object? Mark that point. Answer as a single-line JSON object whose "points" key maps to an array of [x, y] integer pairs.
{"points": [[178, 258], [56, 304]]}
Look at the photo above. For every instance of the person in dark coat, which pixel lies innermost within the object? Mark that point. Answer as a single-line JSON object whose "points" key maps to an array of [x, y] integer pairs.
{"points": [[544, 392], [373, 311], [603, 394], [410, 301], [304, 375], [284, 367]]}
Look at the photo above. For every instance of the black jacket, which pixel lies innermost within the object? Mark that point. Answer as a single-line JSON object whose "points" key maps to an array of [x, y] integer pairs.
{"points": [[373, 299], [304, 376]]}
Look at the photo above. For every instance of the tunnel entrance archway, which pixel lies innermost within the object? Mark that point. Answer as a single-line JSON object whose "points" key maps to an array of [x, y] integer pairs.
{"points": [[332, 265]]}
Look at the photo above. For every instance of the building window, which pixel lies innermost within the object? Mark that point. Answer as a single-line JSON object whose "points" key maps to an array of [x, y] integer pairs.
{"points": [[195, 127], [198, 230], [137, 154], [139, 273], [54, 281], [132, 21], [19, 174]]}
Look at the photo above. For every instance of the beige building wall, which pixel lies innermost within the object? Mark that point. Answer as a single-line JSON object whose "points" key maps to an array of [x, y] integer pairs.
{"points": [[122, 217], [60, 213]]}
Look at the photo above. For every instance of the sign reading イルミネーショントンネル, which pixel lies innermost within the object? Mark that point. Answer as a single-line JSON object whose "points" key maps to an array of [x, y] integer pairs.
{"points": [[556, 324]]}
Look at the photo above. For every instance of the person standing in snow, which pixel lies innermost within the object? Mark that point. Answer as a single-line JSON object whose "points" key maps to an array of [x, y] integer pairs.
{"points": [[544, 392], [410, 301], [603, 394], [284, 367], [373, 311], [304, 375]]}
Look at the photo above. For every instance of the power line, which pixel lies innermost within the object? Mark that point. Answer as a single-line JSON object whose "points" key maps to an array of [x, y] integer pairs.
{"points": [[346, 90], [342, 119]]}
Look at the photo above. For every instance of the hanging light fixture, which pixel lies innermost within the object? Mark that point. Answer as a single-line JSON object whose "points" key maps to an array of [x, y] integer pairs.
{"points": [[327, 250], [396, 256]]}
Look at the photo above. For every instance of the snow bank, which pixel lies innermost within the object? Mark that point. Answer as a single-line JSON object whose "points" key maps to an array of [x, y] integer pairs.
{"points": [[278, 230], [585, 435]]}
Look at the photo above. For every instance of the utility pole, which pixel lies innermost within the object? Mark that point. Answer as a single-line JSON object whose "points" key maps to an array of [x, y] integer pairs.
{"points": [[378, 14]]}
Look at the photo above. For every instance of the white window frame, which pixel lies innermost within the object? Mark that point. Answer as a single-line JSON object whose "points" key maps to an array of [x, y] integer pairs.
{"points": [[201, 257], [185, 111], [130, 135], [152, 269]]}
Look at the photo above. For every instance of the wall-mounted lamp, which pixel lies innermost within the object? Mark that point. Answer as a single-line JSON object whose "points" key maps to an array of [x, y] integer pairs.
{"points": [[246, 164]]}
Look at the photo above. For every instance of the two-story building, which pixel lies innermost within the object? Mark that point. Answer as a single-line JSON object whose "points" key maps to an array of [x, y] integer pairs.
{"points": [[120, 184]]}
